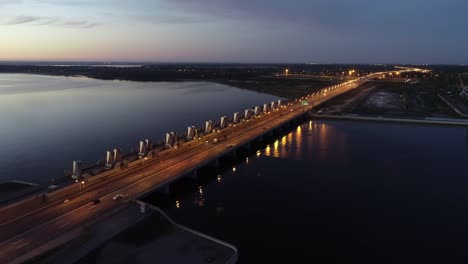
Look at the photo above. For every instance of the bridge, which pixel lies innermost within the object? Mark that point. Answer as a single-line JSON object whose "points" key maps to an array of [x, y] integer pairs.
{"points": [[34, 225]]}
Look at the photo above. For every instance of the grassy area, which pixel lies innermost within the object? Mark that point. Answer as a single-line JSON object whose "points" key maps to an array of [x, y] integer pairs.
{"points": [[290, 88], [390, 98]]}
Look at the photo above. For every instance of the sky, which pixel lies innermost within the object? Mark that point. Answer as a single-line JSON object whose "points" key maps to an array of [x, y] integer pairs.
{"points": [[265, 31]]}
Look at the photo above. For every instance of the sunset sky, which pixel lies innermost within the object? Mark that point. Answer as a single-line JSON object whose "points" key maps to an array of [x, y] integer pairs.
{"points": [[320, 31]]}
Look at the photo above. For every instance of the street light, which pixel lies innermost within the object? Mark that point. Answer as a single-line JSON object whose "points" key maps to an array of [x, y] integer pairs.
{"points": [[82, 185]]}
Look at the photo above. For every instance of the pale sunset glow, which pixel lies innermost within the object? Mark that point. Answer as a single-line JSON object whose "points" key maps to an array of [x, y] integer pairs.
{"points": [[233, 31]]}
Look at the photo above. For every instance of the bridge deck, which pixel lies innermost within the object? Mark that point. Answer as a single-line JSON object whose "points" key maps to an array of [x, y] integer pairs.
{"points": [[22, 231]]}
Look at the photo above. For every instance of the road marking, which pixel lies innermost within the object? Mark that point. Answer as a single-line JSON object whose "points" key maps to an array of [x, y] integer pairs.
{"points": [[22, 245], [62, 226], [19, 241]]}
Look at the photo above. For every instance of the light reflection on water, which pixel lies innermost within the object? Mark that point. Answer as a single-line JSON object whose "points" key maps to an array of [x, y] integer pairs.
{"points": [[334, 197]]}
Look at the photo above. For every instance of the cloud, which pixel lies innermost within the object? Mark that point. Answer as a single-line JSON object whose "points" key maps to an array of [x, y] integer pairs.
{"points": [[174, 19], [79, 24], [350, 16], [44, 21], [22, 20], [9, 2]]}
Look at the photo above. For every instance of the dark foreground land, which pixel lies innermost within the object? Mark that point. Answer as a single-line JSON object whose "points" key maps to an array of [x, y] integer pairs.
{"points": [[390, 98], [436, 95], [266, 78], [409, 94]]}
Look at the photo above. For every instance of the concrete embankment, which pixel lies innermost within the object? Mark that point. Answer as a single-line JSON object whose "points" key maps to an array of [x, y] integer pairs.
{"points": [[458, 111], [427, 121]]}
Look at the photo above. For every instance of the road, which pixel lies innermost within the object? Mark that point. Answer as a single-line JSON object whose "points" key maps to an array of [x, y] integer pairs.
{"points": [[27, 229]]}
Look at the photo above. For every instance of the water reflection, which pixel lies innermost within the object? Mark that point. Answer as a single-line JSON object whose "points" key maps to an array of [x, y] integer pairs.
{"points": [[309, 131], [276, 153], [283, 146], [291, 146], [289, 141], [276, 149], [323, 141], [200, 198], [268, 151], [346, 170], [298, 141]]}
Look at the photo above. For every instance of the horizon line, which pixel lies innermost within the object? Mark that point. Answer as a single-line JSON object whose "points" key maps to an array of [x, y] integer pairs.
{"points": [[110, 62]]}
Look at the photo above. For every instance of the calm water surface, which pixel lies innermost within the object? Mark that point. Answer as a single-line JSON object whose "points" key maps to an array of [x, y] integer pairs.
{"points": [[338, 192], [46, 122]]}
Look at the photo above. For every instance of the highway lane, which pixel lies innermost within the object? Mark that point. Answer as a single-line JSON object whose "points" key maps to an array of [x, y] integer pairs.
{"points": [[137, 180]]}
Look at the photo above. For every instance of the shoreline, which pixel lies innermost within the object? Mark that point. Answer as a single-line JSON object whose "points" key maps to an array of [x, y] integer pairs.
{"points": [[261, 80], [382, 119]]}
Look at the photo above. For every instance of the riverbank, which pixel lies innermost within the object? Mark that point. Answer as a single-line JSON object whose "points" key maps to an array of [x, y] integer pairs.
{"points": [[427, 121], [263, 79]]}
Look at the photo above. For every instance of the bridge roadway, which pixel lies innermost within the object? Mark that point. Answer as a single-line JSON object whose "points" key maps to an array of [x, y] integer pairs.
{"points": [[27, 230]]}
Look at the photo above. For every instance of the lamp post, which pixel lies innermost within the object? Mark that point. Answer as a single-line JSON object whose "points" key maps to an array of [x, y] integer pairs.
{"points": [[82, 183]]}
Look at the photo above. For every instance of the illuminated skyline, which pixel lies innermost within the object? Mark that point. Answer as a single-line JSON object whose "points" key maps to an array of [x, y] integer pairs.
{"points": [[355, 31]]}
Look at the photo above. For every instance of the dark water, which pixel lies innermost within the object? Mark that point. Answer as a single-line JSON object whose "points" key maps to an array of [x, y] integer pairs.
{"points": [[47, 122], [338, 192]]}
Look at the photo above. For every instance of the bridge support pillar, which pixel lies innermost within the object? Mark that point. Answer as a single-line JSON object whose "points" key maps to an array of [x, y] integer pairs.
{"points": [[233, 153], [166, 189], [247, 146], [259, 139], [216, 163], [194, 175]]}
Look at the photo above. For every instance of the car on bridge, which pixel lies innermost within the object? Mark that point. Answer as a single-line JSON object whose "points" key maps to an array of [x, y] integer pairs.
{"points": [[118, 196], [52, 187], [94, 202]]}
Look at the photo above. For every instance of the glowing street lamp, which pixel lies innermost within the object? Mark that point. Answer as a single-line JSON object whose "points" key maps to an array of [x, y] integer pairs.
{"points": [[82, 183]]}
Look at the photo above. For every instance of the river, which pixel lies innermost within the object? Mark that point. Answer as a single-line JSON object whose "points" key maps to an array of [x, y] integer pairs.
{"points": [[337, 192], [46, 122]]}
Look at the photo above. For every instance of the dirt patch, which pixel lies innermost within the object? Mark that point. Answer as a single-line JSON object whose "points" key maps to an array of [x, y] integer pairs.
{"points": [[383, 102], [392, 98]]}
